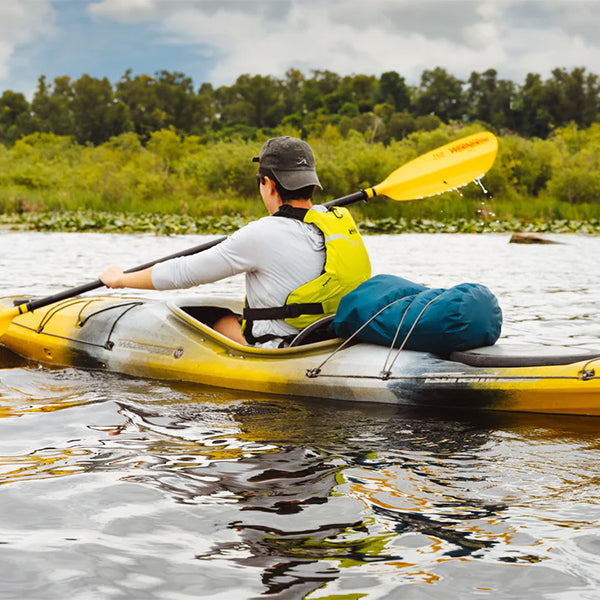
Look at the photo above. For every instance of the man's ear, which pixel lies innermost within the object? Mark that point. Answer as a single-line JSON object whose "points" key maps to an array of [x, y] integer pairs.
{"points": [[270, 183]]}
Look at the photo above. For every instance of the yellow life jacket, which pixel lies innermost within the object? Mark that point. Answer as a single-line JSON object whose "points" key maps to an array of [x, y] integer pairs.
{"points": [[347, 265]]}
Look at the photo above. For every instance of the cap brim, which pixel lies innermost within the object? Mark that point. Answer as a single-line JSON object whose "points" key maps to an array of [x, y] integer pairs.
{"points": [[294, 180]]}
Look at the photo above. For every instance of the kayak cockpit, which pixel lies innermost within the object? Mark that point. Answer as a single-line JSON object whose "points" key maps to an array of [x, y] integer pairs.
{"points": [[202, 312]]}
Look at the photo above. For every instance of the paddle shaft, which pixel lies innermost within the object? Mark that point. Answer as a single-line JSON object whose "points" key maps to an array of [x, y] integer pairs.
{"points": [[350, 199], [94, 285]]}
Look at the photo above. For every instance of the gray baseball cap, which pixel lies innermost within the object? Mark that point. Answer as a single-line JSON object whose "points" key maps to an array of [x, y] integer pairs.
{"points": [[291, 160]]}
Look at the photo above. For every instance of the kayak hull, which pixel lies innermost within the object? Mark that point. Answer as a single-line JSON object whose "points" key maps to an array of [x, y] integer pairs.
{"points": [[166, 340]]}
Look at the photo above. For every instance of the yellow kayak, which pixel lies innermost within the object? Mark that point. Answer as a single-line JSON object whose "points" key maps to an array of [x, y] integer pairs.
{"points": [[169, 340]]}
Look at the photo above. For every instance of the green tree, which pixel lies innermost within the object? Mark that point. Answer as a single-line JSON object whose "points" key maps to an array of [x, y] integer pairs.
{"points": [[533, 114], [252, 100], [394, 91], [576, 174], [318, 87], [97, 114], [440, 94], [349, 109], [15, 117], [400, 125], [573, 97], [139, 94], [325, 81], [184, 110], [334, 101], [51, 106], [293, 86], [362, 91], [490, 100]]}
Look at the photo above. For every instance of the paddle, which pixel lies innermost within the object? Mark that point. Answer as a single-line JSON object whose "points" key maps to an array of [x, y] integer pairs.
{"points": [[441, 170]]}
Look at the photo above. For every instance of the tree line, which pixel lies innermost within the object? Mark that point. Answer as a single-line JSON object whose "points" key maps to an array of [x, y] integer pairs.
{"points": [[383, 109]]}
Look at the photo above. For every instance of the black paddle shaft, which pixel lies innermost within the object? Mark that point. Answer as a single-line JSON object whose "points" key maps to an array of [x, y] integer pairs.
{"points": [[93, 285], [346, 200]]}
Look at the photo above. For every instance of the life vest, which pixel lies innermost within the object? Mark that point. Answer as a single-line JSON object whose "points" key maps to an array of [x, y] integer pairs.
{"points": [[346, 266]]}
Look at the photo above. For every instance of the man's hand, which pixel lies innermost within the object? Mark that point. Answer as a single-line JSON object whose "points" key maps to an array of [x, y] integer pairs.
{"points": [[112, 277]]}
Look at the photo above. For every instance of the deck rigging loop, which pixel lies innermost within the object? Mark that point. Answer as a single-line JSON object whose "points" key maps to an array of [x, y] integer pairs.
{"points": [[54, 311], [586, 372], [385, 373], [82, 320]]}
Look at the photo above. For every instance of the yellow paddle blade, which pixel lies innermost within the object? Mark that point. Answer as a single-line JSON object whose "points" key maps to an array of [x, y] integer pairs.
{"points": [[6, 317], [441, 170]]}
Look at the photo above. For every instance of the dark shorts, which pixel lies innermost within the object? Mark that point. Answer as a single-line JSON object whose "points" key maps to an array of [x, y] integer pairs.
{"points": [[211, 314]]}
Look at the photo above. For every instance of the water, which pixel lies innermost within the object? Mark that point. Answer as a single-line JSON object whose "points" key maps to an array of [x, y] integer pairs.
{"points": [[115, 487]]}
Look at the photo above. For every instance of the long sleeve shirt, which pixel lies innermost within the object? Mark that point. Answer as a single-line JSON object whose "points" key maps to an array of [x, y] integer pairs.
{"points": [[277, 255]]}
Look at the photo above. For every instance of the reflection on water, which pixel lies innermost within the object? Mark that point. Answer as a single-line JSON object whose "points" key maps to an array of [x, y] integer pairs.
{"points": [[141, 488], [113, 487]]}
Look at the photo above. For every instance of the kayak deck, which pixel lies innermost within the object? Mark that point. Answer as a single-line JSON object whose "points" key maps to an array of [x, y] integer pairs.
{"points": [[169, 340]]}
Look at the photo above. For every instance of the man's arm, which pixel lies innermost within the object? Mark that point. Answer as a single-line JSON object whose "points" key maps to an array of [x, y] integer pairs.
{"points": [[237, 254], [113, 277]]}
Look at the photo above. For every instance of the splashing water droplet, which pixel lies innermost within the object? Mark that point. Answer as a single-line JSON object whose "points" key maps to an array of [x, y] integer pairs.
{"points": [[480, 184]]}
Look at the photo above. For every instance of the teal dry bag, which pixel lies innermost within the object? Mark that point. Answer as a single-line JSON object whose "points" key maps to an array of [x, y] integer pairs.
{"points": [[445, 320]]}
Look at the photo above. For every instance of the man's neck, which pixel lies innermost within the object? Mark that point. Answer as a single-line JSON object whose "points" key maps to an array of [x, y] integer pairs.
{"points": [[299, 202]]}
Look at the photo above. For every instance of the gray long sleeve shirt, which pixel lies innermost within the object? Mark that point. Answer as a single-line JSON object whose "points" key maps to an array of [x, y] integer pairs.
{"points": [[277, 255]]}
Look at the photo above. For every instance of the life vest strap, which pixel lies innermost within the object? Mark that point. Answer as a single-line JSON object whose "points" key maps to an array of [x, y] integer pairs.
{"points": [[289, 311], [291, 212]]}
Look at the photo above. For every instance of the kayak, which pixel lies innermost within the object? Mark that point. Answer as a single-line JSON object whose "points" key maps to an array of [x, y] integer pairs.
{"points": [[170, 340]]}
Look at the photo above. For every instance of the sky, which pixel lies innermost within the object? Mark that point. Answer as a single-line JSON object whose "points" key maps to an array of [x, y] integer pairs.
{"points": [[215, 41]]}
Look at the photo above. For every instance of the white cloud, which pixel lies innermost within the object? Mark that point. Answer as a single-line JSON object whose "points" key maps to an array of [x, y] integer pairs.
{"points": [[541, 51], [21, 22], [345, 36], [129, 11], [354, 36]]}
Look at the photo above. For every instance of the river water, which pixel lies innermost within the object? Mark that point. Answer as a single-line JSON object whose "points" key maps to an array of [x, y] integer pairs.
{"points": [[114, 487]]}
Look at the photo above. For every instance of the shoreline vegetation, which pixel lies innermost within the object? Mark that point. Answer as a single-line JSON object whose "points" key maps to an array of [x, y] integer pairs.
{"points": [[158, 154], [160, 224], [175, 184]]}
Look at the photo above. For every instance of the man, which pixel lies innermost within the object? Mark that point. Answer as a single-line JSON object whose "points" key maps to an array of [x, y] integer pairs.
{"points": [[299, 261]]}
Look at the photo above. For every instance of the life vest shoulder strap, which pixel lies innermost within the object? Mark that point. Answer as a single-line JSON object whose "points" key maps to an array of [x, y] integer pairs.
{"points": [[291, 212]]}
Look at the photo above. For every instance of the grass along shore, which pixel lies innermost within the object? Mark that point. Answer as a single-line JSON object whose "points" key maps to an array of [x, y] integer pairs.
{"points": [[171, 224]]}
